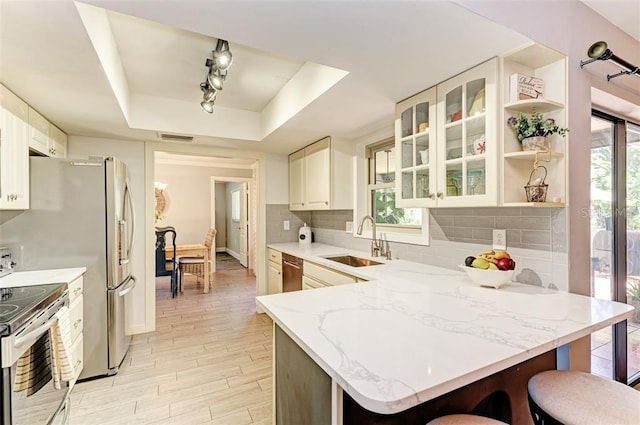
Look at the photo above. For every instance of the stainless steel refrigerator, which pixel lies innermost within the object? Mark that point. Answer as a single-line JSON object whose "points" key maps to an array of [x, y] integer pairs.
{"points": [[81, 215]]}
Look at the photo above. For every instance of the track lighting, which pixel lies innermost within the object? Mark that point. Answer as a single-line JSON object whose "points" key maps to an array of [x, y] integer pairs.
{"points": [[217, 65], [599, 51]]}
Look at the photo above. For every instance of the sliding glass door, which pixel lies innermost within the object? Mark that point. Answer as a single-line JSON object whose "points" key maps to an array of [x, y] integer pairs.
{"points": [[615, 241]]}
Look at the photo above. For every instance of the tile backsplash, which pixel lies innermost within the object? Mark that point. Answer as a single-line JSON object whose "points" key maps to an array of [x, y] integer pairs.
{"points": [[536, 235]]}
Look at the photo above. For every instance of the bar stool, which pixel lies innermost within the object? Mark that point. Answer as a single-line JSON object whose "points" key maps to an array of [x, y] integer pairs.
{"points": [[464, 420], [572, 397]]}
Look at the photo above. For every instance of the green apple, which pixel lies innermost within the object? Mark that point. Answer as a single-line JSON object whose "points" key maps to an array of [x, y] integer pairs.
{"points": [[480, 263]]}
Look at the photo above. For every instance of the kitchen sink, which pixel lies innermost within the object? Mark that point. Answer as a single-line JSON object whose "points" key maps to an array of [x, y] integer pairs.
{"points": [[352, 261]]}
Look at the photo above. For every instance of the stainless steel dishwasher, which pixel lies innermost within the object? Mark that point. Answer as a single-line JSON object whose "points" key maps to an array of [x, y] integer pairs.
{"points": [[291, 273]]}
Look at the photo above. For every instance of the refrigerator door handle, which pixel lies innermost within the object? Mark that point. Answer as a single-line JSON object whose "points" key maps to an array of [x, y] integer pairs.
{"points": [[129, 199], [128, 286]]}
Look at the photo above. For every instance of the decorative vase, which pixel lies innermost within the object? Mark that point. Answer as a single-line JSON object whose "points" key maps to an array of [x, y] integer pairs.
{"points": [[536, 143]]}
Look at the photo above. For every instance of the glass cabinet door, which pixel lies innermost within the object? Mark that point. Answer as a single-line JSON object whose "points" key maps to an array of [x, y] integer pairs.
{"points": [[466, 129], [416, 146]]}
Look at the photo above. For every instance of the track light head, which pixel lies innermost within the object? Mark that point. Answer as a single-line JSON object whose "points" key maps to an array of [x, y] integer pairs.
{"points": [[207, 106], [209, 95], [216, 79], [222, 56]]}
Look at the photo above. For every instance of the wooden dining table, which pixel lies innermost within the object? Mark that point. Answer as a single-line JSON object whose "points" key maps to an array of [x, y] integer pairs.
{"points": [[194, 250]]}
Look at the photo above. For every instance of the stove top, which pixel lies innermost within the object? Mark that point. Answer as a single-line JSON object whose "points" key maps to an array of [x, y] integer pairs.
{"points": [[18, 305]]}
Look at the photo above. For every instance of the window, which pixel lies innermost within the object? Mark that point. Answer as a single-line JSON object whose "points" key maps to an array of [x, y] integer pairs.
{"points": [[235, 205], [382, 192], [375, 194]]}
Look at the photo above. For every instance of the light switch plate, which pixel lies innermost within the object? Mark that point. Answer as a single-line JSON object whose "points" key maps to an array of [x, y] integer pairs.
{"points": [[499, 239], [286, 224]]}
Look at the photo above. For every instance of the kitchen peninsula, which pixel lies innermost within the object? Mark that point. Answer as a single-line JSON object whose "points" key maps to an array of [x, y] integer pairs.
{"points": [[393, 349]]}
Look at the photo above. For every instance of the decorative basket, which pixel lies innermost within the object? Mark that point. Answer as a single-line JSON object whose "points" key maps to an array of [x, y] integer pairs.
{"points": [[536, 191]]}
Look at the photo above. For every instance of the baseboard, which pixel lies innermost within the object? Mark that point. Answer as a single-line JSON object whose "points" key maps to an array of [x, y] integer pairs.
{"points": [[234, 254], [221, 249]]}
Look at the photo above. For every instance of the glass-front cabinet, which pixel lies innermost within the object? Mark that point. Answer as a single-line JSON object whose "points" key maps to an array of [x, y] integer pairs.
{"points": [[447, 143], [415, 143], [466, 116]]}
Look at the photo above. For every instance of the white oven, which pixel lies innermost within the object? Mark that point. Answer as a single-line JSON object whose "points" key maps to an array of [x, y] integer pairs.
{"points": [[44, 404]]}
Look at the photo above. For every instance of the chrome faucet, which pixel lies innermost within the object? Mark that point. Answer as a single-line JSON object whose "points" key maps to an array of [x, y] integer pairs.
{"points": [[375, 244]]}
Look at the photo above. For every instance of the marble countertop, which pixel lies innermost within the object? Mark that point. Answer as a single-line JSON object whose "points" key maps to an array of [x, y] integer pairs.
{"points": [[414, 331], [41, 277]]}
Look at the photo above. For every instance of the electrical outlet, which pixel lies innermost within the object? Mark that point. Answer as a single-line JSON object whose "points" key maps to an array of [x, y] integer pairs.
{"points": [[286, 224], [349, 227], [499, 239]]}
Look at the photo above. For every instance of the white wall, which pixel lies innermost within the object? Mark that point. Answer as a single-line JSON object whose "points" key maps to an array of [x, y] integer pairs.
{"points": [[189, 194], [132, 153], [277, 179]]}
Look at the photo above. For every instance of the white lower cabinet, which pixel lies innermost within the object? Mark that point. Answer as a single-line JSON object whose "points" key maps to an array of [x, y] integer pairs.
{"points": [[76, 319], [275, 271], [309, 283], [315, 276]]}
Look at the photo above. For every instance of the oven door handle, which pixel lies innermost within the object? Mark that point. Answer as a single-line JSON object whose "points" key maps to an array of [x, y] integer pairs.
{"points": [[28, 339]]}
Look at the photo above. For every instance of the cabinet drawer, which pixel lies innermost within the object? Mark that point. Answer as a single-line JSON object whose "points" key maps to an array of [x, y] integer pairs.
{"points": [[275, 256], [326, 275], [75, 289], [77, 356], [308, 283], [76, 318]]}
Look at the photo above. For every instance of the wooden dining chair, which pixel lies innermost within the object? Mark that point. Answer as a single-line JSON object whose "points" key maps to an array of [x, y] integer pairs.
{"points": [[195, 265]]}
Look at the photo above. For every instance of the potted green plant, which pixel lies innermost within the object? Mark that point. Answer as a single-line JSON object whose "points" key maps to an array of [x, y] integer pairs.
{"points": [[633, 298], [533, 129]]}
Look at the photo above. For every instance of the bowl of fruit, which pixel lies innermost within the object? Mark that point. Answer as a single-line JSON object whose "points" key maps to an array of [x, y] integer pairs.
{"points": [[491, 268]]}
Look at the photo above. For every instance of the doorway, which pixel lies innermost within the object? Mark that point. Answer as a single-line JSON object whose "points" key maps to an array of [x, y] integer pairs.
{"points": [[615, 242], [232, 207], [233, 159]]}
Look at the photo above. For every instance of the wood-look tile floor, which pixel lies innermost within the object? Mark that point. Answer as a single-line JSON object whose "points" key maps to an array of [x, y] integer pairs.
{"points": [[209, 362]]}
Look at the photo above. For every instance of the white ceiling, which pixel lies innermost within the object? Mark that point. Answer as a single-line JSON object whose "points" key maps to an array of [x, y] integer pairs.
{"points": [[389, 49], [48, 58], [625, 14]]}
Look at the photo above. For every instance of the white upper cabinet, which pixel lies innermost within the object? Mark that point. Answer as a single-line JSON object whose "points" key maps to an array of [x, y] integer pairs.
{"points": [[517, 165], [448, 144], [38, 132], [14, 152], [321, 176], [296, 180], [415, 136], [45, 138], [57, 142]]}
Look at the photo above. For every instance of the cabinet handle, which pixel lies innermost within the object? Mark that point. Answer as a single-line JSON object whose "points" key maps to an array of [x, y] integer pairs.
{"points": [[326, 202], [440, 195], [77, 323], [432, 195]]}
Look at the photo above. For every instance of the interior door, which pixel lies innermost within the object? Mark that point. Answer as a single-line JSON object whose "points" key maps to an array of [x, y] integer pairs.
{"points": [[243, 224]]}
